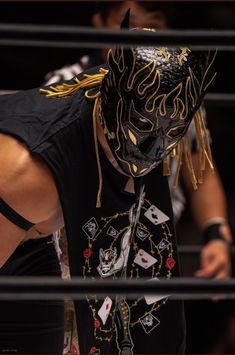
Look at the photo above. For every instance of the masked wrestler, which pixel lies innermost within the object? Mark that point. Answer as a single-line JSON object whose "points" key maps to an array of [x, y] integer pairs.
{"points": [[90, 152]]}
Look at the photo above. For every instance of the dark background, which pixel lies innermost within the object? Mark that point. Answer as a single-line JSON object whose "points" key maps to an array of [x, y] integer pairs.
{"points": [[24, 68], [29, 65]]}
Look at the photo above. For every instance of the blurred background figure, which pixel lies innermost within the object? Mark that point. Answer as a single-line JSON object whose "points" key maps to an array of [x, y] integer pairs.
{"points": [[208, 202], [109, 14]]}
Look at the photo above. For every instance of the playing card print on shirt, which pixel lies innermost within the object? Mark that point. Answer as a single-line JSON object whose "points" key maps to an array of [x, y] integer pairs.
{"points": [[149, 323], [164, 243], [91, 227], [144, 259], [141, 233], [150, 299], [105, 310], [112, 232], [155, 215]]}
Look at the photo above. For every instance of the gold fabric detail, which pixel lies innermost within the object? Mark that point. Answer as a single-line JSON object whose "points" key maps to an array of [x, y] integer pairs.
{"points": [[205, 156], [95, 115], [183, 151], [162, 52], [143, 170], [182, 57], [132, 137], [166, 167], [89, 82], [134, 167]]}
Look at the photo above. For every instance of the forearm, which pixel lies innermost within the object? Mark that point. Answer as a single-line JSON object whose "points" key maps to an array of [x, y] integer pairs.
{"points": [[210, 214], [208, 202]]}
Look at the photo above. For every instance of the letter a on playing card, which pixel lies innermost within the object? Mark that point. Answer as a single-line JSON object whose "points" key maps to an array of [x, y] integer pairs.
{"points": [[155, 215]]}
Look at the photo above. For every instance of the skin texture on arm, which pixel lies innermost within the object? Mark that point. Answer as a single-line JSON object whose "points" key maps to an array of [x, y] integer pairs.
{"points": [[209, 194], [207, 203], [27, 186]]}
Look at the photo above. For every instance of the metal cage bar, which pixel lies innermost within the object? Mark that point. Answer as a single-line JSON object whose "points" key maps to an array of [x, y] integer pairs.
{"points": [[75, 37], [44, 288]]}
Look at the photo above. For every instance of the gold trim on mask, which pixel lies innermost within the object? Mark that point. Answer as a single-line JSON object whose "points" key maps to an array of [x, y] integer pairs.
{"points": [[132, 137], [134, 167], [146, 82], [143, 171], [182, 57], [162, 52]]}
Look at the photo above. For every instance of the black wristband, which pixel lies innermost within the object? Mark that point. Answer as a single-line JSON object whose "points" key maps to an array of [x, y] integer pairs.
{"points": [[14, 217], [212, 232]]}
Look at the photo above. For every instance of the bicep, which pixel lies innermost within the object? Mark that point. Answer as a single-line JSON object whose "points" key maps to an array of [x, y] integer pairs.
{"points": [[27, 186]]}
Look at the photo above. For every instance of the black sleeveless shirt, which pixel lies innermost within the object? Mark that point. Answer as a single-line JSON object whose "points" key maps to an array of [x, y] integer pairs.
{"points": [[131, 235]]}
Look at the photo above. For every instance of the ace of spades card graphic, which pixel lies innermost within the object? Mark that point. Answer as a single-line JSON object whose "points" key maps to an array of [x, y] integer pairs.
{"points": [[156, 216]]}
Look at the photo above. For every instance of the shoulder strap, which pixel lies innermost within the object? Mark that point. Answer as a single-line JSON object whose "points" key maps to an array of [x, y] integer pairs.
{"points": [[14, 217]]}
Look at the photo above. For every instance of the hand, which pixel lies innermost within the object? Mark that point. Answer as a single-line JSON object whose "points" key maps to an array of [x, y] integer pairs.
{"points": [[215, 260]]}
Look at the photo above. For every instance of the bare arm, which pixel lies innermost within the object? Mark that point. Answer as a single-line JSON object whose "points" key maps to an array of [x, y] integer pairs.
{"points": [[208, 204], [210, 195], [26, 185]]}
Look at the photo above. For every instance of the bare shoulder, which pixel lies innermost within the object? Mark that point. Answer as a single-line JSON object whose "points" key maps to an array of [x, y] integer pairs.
{"points": [[28, 187], [26, 182]]}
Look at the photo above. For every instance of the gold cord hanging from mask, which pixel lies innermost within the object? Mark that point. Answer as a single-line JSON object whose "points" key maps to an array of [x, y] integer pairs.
{"points": [[95, 116]]}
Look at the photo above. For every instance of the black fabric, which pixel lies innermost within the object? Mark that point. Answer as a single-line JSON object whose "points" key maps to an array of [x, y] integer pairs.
{"points": [[97, 236], [212, 232], [14, 217], [32, 327]]}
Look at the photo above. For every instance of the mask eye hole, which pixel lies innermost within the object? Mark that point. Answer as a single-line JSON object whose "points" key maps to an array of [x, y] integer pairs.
{"points": [[175, 132], [141, 122]]}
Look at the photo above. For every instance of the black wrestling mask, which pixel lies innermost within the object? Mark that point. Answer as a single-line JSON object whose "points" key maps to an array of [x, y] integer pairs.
{"points": [[148, 99]]}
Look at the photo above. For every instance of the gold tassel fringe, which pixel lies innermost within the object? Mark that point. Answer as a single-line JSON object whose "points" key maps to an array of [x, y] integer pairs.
{"points": [[183, 151]]}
